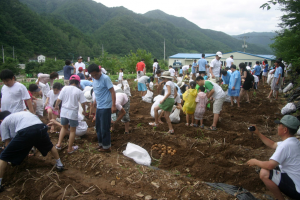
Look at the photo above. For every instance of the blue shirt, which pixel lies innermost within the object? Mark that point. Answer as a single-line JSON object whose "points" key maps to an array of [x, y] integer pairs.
{"points": [[84, 83], [180, 71], [102, 93], [277, 72], [205, 77], [202, 62], [178, 91], [266, 68], [226, 78], [235, 75], [257, 70], [194, 65], [67, 72]]}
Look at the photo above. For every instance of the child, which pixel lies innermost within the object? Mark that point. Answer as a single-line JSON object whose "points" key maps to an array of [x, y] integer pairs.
{"points": [[176, 72], [201, 100], [189, 105], [80, 74], [204, 76], [179, 78], [256, 81], [120, 76], [151, 83], [33, 91], [13, 93], [70, 96], [166, 104], [187, 76], [51, 97], [180, 70]]}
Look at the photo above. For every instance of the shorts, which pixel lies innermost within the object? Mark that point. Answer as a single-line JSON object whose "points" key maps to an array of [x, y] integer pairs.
{"points": [[265, 74], [126, 107], [55, 112], [274, 86], [284, 183], [247, 85], [18, 149], [66, 121], [218, 104], [139, 75], [234, 93], [142, 87], [66, 82], [167, 105]]}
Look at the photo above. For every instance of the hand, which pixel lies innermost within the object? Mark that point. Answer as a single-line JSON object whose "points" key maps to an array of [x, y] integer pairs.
{"points": [[256, 130], [94, 119], [161, 102], [112, 122], [113, 109], [233, 88], [213, 76], [251, 162], [277, 83], [56, 108]]}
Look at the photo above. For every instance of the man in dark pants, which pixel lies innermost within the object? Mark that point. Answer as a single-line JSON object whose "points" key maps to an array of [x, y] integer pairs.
{"points": [[21, 131]]}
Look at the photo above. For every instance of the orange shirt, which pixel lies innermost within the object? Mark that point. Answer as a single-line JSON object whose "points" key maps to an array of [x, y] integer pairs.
{"points": [[140, 66]]}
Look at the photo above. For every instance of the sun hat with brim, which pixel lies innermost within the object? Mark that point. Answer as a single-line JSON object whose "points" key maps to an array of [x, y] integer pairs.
{"points": [[75, 77], [289, 121], [167, 75], [88, 96]]}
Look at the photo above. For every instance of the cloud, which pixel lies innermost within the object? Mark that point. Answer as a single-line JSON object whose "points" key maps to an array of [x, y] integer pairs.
{"points": [[230, 16]]}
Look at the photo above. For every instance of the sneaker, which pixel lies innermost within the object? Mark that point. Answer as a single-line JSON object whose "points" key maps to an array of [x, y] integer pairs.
{"points": [[60, 168]]}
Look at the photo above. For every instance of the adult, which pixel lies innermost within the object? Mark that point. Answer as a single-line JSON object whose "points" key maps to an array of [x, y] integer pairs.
{"points": [[248, 81], [283, 70], [257, 69], [78, 64], [281, 172], [123, 107], [140, 68], [234, 85], [229, 61], [215, 66], [155, 68], [216, 92], [275, 86], [172, 71], [225, 76], [202, 65], [106, 104], [265, 71], [68, 71], [194, 69], [21, 131], [185, 69]]}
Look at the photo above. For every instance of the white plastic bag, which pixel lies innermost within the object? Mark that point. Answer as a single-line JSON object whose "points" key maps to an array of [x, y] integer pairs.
{"points": [[148, 97], [288, 87], [138, 154], [156, 100], [127, 90], [118, 89], [175, 116], [39, 107], [288, 108], [227, 98], [270, 77], [119, 85]]}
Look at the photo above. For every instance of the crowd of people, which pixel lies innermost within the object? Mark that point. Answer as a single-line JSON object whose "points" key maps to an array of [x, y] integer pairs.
{"points": [[90, 93]]}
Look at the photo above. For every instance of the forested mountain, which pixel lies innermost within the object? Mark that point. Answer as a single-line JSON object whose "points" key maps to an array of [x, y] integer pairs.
{"points": [[67, 28], [263, 39]]}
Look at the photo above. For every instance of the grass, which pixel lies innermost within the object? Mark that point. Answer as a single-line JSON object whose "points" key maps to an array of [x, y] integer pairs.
{"points": [[139, 125]]}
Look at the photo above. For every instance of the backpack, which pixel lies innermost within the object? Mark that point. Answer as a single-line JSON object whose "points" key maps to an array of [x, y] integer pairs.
{"points": [[158, 67]]}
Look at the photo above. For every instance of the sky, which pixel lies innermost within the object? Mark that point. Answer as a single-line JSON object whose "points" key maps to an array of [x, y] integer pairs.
{"points": [[229, 16]]}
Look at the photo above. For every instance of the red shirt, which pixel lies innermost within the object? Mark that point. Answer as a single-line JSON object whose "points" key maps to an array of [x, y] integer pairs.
{"points": [[140, 66]]}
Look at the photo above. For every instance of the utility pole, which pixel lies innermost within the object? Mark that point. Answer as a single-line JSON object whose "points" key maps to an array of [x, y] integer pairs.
{"points": [[3, 53], [164, 50], [13, 52]]}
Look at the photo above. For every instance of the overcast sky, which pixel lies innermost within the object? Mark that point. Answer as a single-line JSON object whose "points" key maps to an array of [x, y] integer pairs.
{"points": [[230, 16]]}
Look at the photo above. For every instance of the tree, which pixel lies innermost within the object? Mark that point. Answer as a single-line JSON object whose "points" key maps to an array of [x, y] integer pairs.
{"points": [[11, 64]]}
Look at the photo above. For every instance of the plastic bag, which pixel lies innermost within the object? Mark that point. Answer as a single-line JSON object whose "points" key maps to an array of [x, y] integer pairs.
{"points": [[270, 77], [156, 100], [118, 89], [148, 97], [288, 88], [138, 154], [119, 85], [288, 108], [127, 90], [39, 107], [189, 101], [175, 116], [227, 97]]}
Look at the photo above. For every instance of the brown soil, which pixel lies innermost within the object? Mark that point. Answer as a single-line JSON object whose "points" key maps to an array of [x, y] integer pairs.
{"points": [[201, 156]]}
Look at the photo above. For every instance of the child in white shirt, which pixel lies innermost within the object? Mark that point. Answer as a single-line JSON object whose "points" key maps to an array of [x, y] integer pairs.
{"points": [[49, 104], [151, 83], [256, 82], [120, 76]]}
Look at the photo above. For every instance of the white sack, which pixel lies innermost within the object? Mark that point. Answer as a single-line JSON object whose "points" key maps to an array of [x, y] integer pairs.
{"points": [[156, 100], [175, 116], [118, 89], [148, 97], [138, 154], [288, 108], [127, 90], [227, 98], [288, 87]]}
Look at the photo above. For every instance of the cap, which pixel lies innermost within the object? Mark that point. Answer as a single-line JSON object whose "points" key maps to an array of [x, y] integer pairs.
{"points": [[289, 121], [80, 57], [75, 77], [219, 53], [34, 88], [80, 69]]}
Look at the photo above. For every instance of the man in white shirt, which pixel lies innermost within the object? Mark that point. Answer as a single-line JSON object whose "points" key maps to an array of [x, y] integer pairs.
{"points": [[171, 70], [185, 69], [229, 61], [215, 67], [79, 64], [281, 173]]}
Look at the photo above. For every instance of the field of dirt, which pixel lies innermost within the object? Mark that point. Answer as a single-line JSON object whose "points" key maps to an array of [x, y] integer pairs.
{"points": [[201, 156]]}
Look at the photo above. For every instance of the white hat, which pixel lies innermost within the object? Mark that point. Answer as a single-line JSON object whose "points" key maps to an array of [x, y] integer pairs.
{"points": [[88, 96], [219, 53], [166, 74]]}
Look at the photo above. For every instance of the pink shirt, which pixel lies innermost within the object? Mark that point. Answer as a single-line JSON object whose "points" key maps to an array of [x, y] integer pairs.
{"points": [[201, 100], [121, 100]]}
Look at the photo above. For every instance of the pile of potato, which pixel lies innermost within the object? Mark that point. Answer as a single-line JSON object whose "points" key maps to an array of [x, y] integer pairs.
{"points": [[163, 150]]}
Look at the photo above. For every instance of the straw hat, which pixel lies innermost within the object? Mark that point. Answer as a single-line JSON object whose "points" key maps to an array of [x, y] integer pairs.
{"points": [[167, 75]]}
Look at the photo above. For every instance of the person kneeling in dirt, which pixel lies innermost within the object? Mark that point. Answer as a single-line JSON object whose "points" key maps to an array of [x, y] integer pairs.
{"points": [[281, 173], [123, 107], [25, 130]]}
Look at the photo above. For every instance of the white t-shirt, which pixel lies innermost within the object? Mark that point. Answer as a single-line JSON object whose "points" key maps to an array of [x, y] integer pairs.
{"points": [[177, 99], [143, 79], [77, 65], [16, 122], [219, 93], [155, 66], [287, 154], [185, 67], [151, 85], [215, 65], [13, 97], [120, 76], [179, 79], [70, 96], [229, 62], [52, 97], [172, 72], [256, 80], [172, 86], [121, 100]]}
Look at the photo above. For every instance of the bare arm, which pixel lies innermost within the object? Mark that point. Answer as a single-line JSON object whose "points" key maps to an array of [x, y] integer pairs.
{"points": [[113, 98], [57, 104], [46, 103], [269, 165], [210, 93], [168, 94], [29, 104], [265, 140], [210, 71], [244, 75], [121, 115]]}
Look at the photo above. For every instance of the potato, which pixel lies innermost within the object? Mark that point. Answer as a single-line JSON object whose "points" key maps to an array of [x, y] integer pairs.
{"points": [[159, 145], [174, 151], [169, 147], [164, 151], [169, 152], [155, 145], [159, 152], [163, 154], [172, 154]]}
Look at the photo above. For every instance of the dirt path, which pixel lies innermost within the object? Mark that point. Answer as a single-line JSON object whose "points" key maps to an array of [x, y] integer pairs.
{"points": [[201, 156]]}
